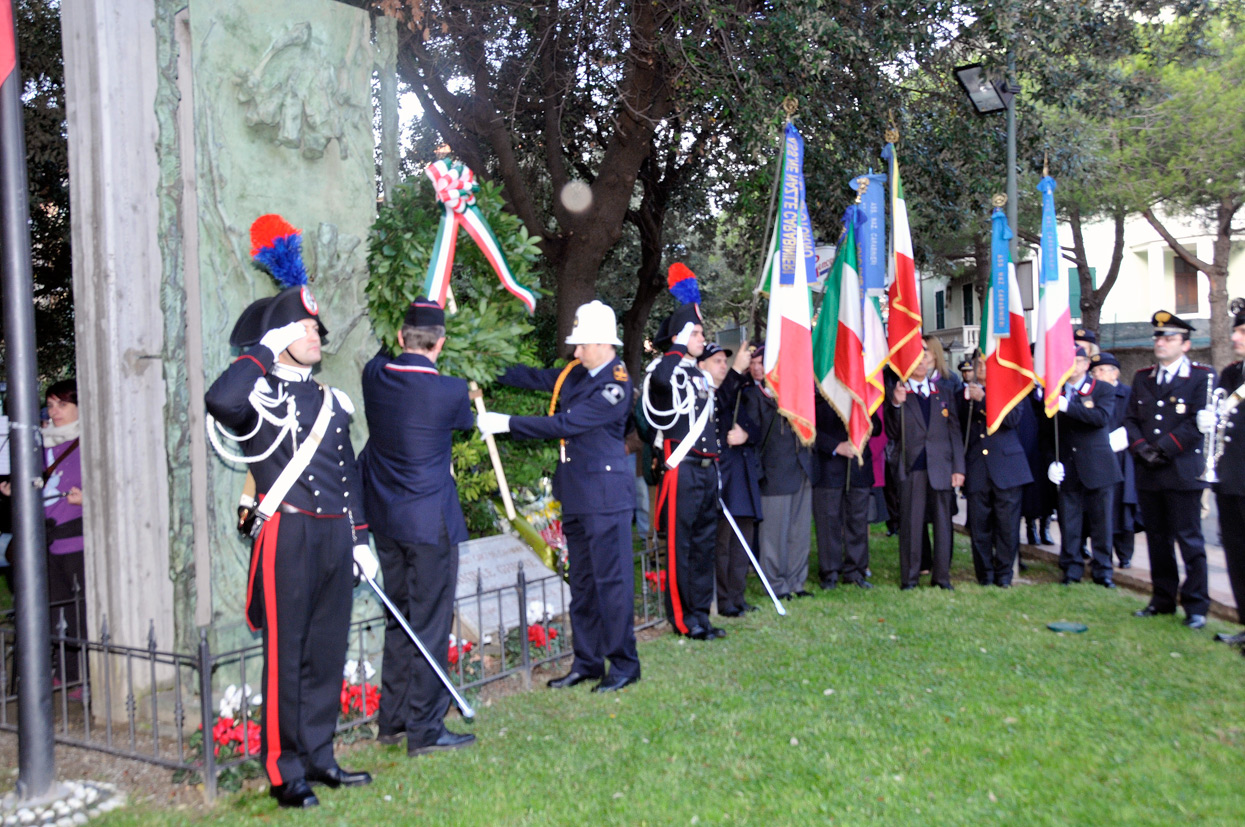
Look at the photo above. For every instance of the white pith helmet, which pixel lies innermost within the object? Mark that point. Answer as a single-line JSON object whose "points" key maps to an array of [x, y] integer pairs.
{"points": [[594, 325]]}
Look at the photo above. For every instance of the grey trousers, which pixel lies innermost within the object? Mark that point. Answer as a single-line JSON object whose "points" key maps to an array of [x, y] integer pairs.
{"points": [[786, 539]]}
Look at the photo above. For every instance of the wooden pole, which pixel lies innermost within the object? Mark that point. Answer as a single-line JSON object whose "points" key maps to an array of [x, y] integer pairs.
{"points": [[478, 396]]}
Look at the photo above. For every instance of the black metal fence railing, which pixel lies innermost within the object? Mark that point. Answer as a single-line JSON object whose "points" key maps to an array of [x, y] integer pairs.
{"points": [[163, 707]]}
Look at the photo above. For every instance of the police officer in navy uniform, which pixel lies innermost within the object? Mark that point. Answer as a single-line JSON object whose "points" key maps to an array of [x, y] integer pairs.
{"points": [[412, 412], [995, 474], [594, 483], [1104, 367], [299, 591], [1228, 432], [1164, 438], [679, 400], [1086, 472], [841, 501]]}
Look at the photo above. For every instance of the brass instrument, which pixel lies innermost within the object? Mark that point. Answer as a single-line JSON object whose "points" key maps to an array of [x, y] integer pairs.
{"points": [[1212, 443]]}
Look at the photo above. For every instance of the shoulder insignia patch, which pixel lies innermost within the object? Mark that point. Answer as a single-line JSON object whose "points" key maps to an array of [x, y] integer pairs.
{"points": [[612, 393], [620, 373]]}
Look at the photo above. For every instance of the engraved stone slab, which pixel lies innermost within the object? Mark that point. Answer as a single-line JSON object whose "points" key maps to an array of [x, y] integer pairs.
{"points": [[495, 562]]}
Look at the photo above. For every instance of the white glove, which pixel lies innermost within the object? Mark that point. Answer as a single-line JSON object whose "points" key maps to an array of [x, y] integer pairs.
{"points": [[282, 337], [1206, 421], [1119, 439], [1055, 473], [493, 423], [365, 562], [1063, 404], [685, 335]]}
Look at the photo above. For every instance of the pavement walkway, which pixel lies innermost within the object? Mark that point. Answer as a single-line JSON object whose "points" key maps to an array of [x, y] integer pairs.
{"points": [[1223, 605]]}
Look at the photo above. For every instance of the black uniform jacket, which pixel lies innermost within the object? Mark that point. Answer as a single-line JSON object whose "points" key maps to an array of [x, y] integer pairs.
{"points": [[412, 411], [739, 464], [994, 460], [1085, 436], [941, 439], [1231, 466], [676, 373], [596, 476], [329, 485], [833, 468], [1165, 417]]}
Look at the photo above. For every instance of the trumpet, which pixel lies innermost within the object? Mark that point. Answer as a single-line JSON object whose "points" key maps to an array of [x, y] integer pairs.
{"points": [[1213, 442]]}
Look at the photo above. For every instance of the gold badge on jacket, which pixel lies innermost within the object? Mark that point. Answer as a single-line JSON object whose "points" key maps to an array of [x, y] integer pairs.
{"points": [[620, 373], [1089, 403], [946, 412]]}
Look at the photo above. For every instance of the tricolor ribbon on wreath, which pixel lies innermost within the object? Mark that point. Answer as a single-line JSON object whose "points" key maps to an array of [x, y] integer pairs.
{"points": [[455, 186]]}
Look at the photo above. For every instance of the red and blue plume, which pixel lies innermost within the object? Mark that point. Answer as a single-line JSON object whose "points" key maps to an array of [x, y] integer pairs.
{"points": [[682, 283], [277, 247]]}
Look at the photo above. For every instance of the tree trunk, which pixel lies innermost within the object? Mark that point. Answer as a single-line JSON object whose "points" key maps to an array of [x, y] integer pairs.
{"points": [[1093, 299], [1216, 272]]}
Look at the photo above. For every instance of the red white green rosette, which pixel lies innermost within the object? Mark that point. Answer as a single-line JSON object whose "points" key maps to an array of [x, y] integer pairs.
{"points": [[455, 186]]}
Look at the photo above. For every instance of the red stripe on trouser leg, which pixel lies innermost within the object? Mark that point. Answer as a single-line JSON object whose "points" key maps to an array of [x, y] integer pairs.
{"points": [[670, 490], [272, 694]]}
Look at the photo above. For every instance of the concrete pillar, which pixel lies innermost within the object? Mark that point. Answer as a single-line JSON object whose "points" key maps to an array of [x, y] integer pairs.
{"points": [[110, 86]]}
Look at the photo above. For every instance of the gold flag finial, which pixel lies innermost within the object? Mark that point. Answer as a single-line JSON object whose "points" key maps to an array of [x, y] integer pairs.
{"points": [[1045, 164], [862, 185], [790, 105], [999, 199]]}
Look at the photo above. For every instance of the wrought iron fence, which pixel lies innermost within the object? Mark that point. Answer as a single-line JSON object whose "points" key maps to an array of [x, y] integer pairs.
{"points": [[161, 706]]}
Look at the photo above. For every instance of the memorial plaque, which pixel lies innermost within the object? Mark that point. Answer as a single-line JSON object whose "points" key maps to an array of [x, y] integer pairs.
{"points": [[493, 563]]}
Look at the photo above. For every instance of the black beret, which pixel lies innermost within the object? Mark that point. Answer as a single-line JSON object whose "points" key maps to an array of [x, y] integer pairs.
{"points": [[424, 312]]}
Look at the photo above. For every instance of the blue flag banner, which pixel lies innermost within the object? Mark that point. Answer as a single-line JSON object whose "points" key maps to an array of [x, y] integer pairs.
{"points": [[872, 231], [1000, 258], [794, 218], [1050, 233]]}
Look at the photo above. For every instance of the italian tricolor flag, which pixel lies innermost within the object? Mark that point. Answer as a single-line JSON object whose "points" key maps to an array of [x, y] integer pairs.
{"points": [[904, 330], [1054, 354], [1009, 364], [838, 340], [791, 265]]}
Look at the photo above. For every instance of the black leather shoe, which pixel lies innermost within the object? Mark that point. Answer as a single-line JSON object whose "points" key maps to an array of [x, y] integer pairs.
{"points": [[1150, 611], [1047, 540], [294, 794], [803, 593], [1004, 585], [335, 777], [906, 588], [613, 684], [1195, 621], [571, 679], [1126, 564], [698, 633], [1032, 532], [731, 612], [1106, 583], [748, 607], [1068, 581], [827, 585], [864, 584], [447, 741], [716, 632], [1237, 639], [946, 587], [389, 738]]}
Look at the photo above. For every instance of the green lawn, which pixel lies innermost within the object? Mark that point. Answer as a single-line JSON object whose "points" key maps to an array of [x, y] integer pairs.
{"points": [[859, 707]]}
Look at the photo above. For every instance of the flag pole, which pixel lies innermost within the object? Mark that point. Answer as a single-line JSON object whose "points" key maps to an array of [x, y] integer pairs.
{"points": [[35, 753], [473, 390]]}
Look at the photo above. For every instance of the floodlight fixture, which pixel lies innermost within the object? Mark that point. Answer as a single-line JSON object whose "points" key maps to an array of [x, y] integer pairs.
{"points": [[987, 96]]}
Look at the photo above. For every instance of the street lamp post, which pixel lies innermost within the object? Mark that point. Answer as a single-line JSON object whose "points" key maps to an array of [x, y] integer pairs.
{"points": [[989, 97]]}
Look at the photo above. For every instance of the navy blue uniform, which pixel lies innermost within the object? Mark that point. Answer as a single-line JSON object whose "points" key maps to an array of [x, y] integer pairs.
{"points": [[995, 474], [300, 583], [688, 501], [1169, 488], [840, 503], [412, 412], [741, 490], [595, 482], [1230, 490], [1124, 498], [1091, 473]]}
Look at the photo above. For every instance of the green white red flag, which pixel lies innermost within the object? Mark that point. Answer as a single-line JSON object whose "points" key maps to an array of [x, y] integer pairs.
{"points": [[1054, 352], [904, 324], [1004, 339], [838, 339], [791, 266]]}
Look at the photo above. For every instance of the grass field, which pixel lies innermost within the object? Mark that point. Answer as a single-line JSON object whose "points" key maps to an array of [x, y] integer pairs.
{"points": [[859, 707]]}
